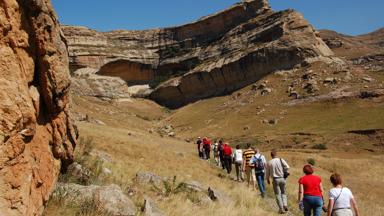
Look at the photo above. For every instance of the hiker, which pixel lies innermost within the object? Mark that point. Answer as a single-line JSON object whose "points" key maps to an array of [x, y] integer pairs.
{"points": [[277, 169], [198, 143], [248, 168], [207, 148], [216, 153], [221, 153], [238, 160], [227, 156], [341, 199], [259, 163], [310, 193]]}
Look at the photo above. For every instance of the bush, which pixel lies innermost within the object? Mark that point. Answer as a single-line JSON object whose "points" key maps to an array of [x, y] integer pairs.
{"points": [[311, 161], [320, 146], [171, 187], [91, 167]]}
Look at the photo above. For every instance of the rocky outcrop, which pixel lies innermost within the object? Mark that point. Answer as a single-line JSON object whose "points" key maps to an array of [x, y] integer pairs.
{"points": [[109, 198], [37, 138], [86, 82], [212, 56]]}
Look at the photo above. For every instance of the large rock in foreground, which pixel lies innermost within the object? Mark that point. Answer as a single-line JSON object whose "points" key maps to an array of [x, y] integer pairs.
{"points": [[110, 198], [37, 138], [212, 56]]}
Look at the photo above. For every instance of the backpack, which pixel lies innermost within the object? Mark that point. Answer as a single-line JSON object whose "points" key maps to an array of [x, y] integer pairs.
{"points": [[215, 148], [259, 165]]}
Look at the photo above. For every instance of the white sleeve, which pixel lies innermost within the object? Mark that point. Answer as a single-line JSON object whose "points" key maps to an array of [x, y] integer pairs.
{"points": [[285, 164], [331, 195], [264, 160], [350, 193]]}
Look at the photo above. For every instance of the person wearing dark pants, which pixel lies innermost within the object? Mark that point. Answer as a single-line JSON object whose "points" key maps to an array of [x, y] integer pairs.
{"points": [[198, 143], [227, 151], [221, 153], [207, 148]]}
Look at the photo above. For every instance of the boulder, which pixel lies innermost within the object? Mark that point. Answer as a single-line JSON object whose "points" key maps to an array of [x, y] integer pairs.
{"points": [[149, 178], [86, 82], [311, 87], [265, 91], [79, 172], [150, 208], [110, 198], [194, 186], [37, 137], [330, 80], [294, 95], [140, 91], [219, 196], [368, 79]]}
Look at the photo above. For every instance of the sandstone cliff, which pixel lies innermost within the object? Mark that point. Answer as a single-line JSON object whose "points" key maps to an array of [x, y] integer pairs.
{"points": [[37, 138], [212, 56]]}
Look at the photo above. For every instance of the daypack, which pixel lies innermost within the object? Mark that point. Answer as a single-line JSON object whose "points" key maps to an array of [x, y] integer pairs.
{"points": [[215, 148], [259, 165]]}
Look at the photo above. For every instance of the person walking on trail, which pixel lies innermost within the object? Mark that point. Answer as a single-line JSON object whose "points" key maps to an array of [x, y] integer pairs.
{"points": [[221, 153], [341, 200], [238, 159], [310, 193], [207, 148], [277, 169], [248, 168], [260, 164], [227, 151], [216, 153], [198, 143]]}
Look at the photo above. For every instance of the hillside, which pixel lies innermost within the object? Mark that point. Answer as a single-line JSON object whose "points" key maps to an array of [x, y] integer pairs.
{"points": [[329, 113], [213, 56], [353, 47]]}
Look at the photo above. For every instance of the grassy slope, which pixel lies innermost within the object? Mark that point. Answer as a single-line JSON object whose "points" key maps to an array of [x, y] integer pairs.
{"points": [[133, 149], [126, 138], [326, 122]]}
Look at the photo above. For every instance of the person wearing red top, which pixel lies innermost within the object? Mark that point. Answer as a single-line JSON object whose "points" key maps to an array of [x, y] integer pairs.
{"points": [[227, 152], [207, 148], [310, 193]]}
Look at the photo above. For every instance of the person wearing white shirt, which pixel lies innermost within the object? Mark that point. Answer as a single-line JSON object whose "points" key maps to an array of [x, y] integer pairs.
{"points": [[238, 159], [275, 170], [341, 199]]}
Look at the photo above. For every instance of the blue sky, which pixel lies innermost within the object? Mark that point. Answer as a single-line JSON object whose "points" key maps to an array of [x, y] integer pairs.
{"points": [[346, 16]]}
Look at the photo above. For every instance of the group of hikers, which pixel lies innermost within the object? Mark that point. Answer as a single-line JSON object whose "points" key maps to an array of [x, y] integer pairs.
{"points": [[256, 168]]}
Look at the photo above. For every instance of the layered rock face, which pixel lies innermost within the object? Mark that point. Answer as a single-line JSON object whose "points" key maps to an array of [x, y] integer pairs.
{"points": [[37, 138], [212, 56]]}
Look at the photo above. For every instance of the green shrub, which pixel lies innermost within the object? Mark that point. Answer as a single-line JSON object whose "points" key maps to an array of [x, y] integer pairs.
{"points": [[311, 161], [171, 187], [320, 146]]}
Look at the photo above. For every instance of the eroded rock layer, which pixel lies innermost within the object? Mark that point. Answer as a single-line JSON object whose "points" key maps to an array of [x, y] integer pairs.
{"points": [[212, 56], [37, 138]]}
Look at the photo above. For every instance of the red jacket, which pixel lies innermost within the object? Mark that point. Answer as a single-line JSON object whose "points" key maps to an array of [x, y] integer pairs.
{"points": [[206, 143], [227, 150]]}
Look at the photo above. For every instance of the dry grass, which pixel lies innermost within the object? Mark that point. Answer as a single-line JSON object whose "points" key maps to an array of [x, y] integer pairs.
{"points": [[126, 137]]}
